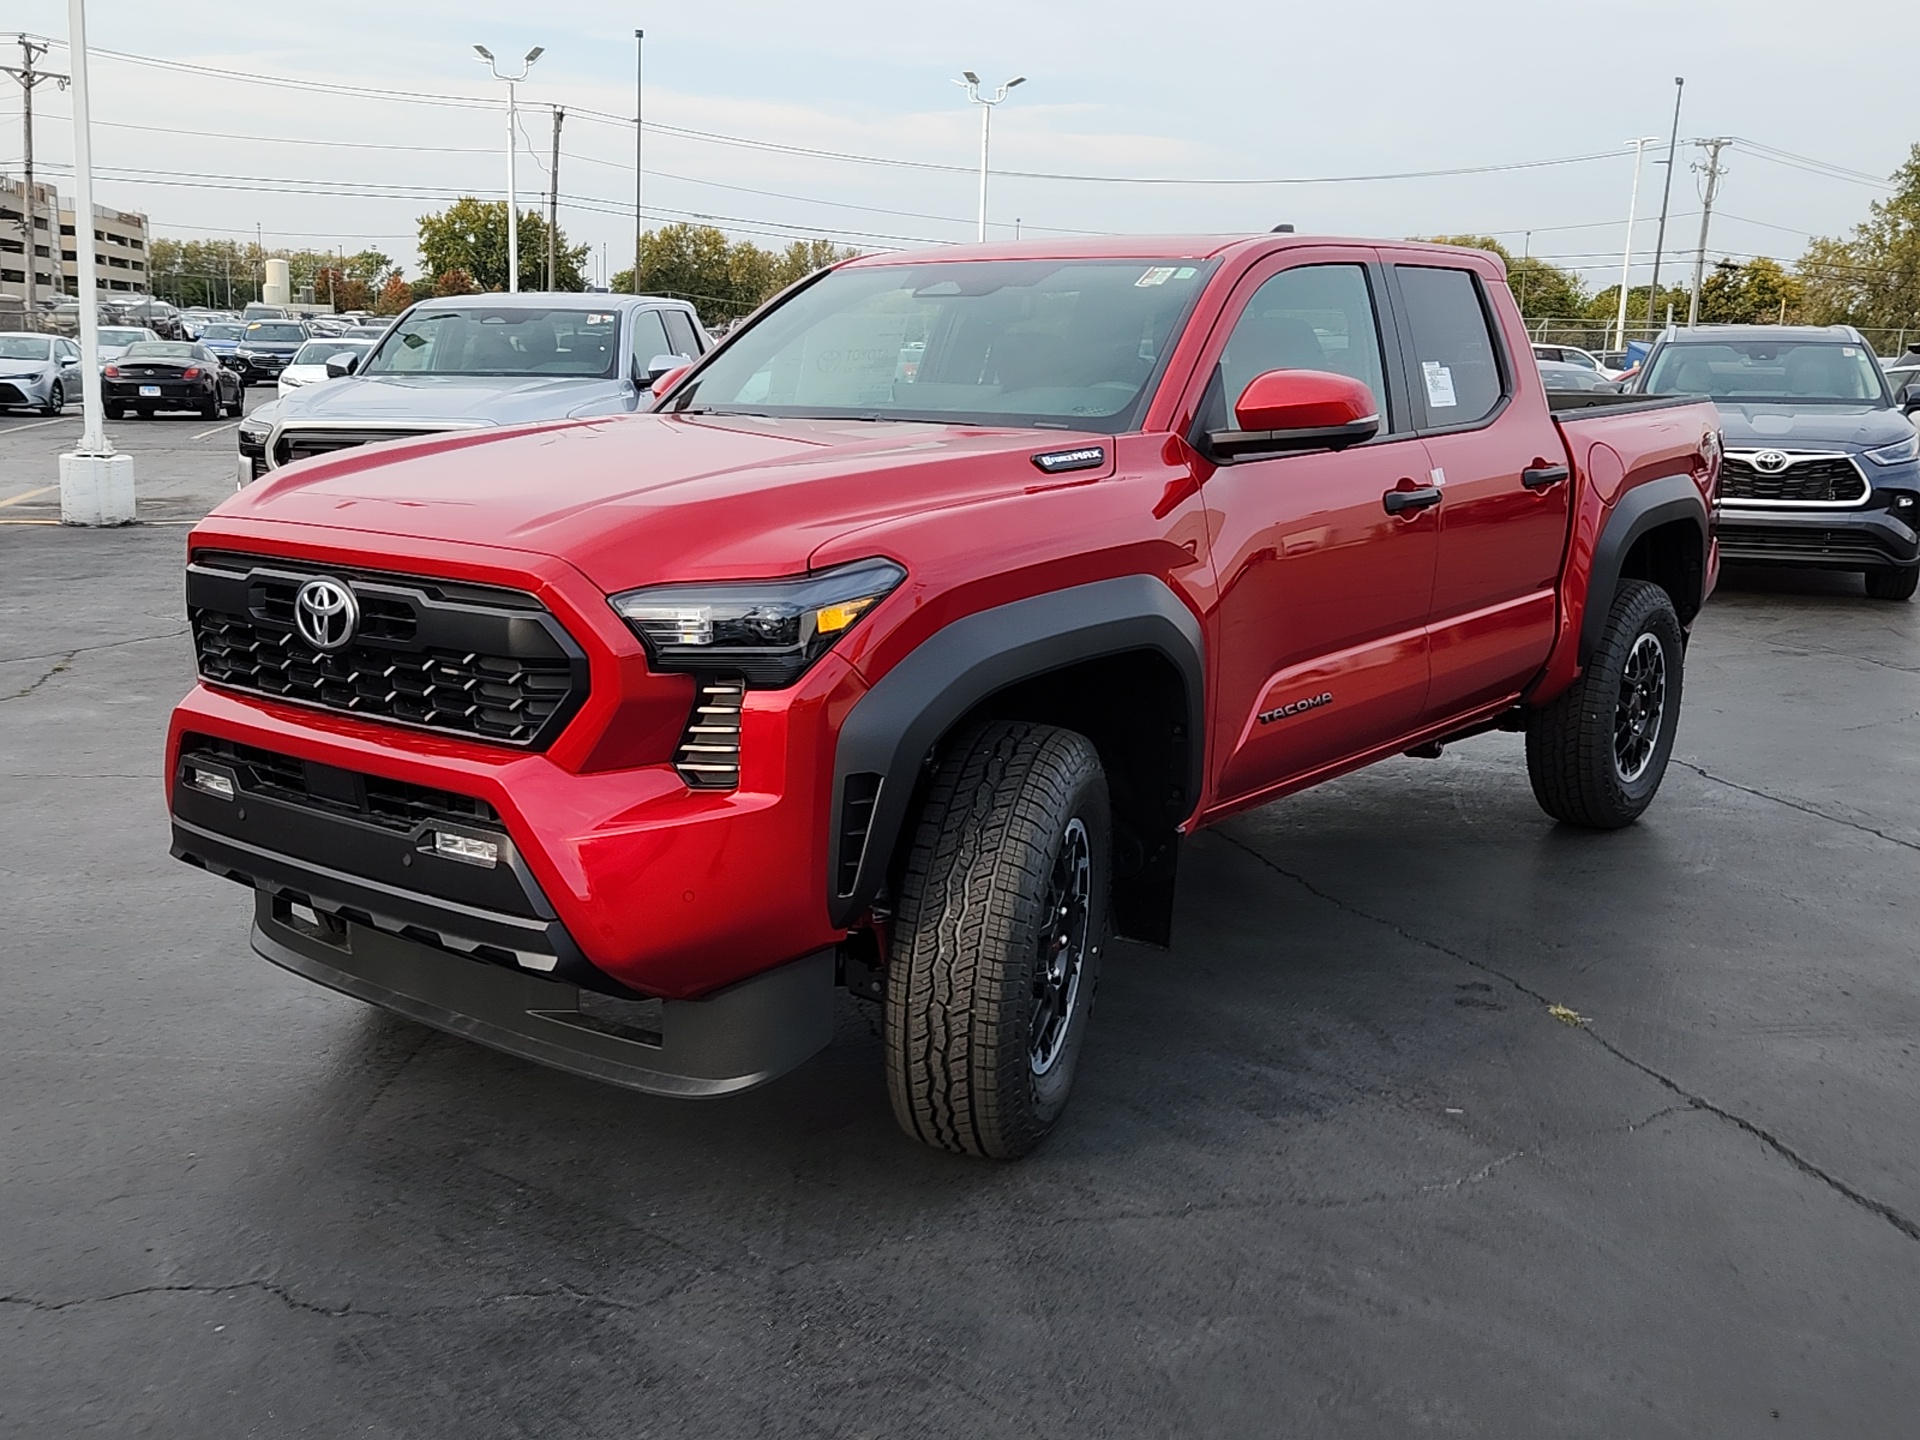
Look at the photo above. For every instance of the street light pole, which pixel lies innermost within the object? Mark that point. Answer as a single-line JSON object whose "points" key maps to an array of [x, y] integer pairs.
{"points": [[96, 485], [1626, 253], [513, 204], [971, 83], [639, 126], [1666, 194]]}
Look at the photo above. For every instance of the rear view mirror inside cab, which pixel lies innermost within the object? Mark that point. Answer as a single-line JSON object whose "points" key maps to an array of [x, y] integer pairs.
{"points": [[1287, 410]]}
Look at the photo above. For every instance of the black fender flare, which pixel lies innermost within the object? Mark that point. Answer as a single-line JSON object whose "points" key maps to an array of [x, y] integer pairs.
{"points": [[889, 733], [1642, 509]]}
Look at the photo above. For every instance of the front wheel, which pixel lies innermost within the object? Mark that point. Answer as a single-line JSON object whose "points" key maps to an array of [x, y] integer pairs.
{"points": [[1892, 583], [56, 399], [1596, 755], [1003, 916]]}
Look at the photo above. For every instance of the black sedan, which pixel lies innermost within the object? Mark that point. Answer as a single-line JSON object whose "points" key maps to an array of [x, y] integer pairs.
{"points": [[170, 375]]}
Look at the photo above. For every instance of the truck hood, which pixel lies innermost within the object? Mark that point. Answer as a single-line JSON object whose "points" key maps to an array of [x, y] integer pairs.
{"points": [[465, 399], [1811, 427], [639, 499]]}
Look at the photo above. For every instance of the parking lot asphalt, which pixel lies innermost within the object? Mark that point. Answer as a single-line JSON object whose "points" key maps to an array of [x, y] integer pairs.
{"points": [[182, 464], [1336, 1165]]}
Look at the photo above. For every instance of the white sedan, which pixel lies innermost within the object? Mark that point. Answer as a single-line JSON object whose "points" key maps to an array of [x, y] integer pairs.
{"points": [[114, 340], [309, 363]]}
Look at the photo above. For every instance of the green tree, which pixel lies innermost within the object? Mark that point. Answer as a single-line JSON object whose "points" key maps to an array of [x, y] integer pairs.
{"points": [[471, 235], [724, 279], [1605, 307], [1760, 292], [1542, 290], [1871, 278]]}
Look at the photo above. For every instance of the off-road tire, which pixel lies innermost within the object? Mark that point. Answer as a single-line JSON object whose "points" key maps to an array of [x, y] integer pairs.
{"points": [[1005, 810], [1573, 749], [1893, 583]]}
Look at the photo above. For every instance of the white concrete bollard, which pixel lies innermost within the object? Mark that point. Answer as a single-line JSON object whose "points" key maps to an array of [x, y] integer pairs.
{"points": [[96, 490]]}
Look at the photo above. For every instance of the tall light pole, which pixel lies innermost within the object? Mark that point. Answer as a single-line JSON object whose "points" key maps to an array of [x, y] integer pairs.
{"points": [[639, 124], [513, 203], [1666, 195], [971, 82], [96, 485], [1626, 253]]}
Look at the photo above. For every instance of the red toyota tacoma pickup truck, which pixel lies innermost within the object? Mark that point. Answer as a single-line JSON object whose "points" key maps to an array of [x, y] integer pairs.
{"points": [[899, 645]]}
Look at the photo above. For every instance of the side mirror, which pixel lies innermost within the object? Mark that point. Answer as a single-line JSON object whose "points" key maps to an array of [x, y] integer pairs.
{"points": [[1285, 410], [660, 364], [341, 364], [663, 383], [1908, 399]]}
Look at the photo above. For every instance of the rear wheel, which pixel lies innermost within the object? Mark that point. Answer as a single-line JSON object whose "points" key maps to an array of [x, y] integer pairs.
{"points": [[1893, 584], [114, 412], [1003, 917], [1597, 754], [211, 410]]}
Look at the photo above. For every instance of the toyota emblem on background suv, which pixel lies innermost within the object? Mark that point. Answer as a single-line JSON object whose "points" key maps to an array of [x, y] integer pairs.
{"points": [[1771, 461], [326, 614]]}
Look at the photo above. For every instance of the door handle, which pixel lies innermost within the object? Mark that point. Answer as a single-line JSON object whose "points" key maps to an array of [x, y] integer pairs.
{"points": [[1398, 500], [1546, 475]]}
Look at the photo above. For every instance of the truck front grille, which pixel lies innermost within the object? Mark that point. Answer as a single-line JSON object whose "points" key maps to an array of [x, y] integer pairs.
{"points": [[465, 660], [396, 805], [709, 753], [1806, 480], [304, 442]]}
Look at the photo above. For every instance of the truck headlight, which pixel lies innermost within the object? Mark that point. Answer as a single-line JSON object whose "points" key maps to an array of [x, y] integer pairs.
{"points": [[767, 631], [1897, 453]]}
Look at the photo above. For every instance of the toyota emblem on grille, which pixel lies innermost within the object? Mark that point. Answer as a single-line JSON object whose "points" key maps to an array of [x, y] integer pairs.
{"points": [[1771, 461], [326, 614]]}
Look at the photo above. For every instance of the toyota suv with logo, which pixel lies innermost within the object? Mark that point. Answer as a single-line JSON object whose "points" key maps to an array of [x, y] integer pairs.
{"points": [[1822, 467], [619, 742]]}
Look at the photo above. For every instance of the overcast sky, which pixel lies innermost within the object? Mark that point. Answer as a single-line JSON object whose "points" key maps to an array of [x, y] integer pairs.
{"points": [[1205, 90]]}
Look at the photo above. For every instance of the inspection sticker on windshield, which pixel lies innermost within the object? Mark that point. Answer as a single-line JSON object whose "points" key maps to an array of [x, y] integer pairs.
{"points": [[1158, 275], [598, 318], [1439, 384]]}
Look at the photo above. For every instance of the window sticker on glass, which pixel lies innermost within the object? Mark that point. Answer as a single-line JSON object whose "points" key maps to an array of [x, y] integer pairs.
{"points": [[850, 360], [1158, 275], [1439, 385], [1186, 272]]}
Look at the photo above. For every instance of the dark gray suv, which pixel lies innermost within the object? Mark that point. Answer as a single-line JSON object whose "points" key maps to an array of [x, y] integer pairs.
{"points": [[1822, 461]]}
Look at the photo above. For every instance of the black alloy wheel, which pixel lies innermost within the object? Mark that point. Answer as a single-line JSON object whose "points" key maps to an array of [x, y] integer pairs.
{"points": [[1597, 753]]}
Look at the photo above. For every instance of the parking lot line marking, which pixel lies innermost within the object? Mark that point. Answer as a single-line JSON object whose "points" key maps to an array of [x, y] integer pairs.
{"points": [[29, 522], [231, 425], [35, 425], [28, 495]]}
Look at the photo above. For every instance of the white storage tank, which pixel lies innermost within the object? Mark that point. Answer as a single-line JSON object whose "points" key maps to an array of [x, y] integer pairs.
{"points": [[279, 289]]}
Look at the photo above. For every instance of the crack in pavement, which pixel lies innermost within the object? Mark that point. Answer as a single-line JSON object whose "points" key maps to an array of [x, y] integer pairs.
{"points": [[84, 649], [65, 662], [294, 1302], [1905, 1224], [1803, 808]]}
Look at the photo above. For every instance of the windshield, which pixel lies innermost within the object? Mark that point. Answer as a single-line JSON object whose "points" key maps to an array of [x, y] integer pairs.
{"points": [[1007, 342], [24, 347], [1790, 372], [318, 352], [507, 340], [267, 333], [222, 332], [111, 336], [163, 350]]}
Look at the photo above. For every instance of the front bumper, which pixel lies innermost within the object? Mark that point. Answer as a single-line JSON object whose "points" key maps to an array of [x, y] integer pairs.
{"points": [[742, 1037], [1862, 539], [19, 390]]}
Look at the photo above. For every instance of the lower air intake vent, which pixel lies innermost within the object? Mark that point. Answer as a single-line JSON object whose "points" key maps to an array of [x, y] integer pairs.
{"points": [[709, 753]]}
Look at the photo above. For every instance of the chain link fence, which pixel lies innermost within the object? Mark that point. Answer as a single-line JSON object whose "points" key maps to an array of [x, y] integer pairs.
{"points": [[1597, 335]]}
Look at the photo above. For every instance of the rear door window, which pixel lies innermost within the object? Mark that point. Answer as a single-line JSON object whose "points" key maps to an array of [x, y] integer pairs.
{"points": [[1456, 366], [680, 333]]}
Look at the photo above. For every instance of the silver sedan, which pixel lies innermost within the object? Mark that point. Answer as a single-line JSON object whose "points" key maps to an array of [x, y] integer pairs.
{"points": [[38, 371]]}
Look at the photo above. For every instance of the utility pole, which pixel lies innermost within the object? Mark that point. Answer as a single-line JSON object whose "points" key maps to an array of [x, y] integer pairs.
{"points": [[1666, 194], [553, 203], [1714, 172], [640, 112], [31, 51]]}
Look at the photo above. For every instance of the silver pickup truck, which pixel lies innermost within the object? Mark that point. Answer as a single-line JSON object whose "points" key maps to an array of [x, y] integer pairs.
{"points": [[479, 360]]}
